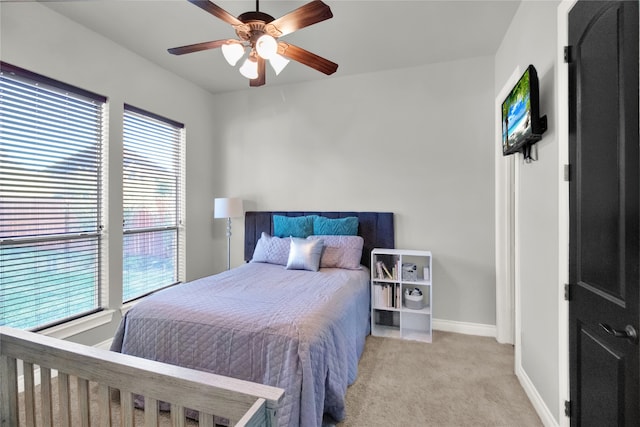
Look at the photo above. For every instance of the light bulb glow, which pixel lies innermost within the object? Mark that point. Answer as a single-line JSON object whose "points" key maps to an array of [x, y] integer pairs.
{"points": [[250, 68], [232, 52], [266, 46], [278, 62]]}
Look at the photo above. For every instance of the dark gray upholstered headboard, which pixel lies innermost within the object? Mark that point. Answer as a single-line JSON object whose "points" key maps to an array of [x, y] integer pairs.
{"points": [[376, 228]]}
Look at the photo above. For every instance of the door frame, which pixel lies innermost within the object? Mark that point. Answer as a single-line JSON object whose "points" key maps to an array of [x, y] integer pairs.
{"points": [[562, 105], [505, 228]]}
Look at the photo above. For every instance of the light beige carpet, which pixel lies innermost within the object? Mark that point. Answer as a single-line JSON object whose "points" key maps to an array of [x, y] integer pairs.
{"points": [[458, 380]]}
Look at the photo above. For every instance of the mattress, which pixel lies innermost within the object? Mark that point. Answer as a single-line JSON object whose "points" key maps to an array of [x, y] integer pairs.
{"points": [[299, 330]]}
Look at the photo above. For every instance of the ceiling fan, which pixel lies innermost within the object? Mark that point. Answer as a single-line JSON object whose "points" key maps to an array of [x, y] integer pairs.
{"points": [[260, 32]]}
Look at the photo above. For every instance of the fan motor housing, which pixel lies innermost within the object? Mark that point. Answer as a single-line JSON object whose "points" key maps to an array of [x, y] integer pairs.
{"points": [[254, 25], [248, 17]]}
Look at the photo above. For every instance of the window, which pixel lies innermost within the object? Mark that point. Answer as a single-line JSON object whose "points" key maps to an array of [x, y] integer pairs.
{"points": [[51, 145], [152, 177]]}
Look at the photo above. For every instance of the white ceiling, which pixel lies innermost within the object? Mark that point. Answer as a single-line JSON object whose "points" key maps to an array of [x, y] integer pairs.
{"points": [[363, 35]]}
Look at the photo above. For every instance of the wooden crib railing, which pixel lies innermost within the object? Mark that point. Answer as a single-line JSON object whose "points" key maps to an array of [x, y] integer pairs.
{"points": [[243, 403]]}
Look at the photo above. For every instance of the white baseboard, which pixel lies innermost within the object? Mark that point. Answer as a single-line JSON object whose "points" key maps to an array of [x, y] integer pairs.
{"points": [[464, 328], [536, 400]]}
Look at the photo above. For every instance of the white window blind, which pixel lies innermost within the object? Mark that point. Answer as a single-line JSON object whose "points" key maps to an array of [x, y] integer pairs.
{"points": [[51, 137], [151, 201]]}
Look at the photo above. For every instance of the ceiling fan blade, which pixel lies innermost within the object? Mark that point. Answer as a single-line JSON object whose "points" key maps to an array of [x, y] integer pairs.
{"points": [[217, 11], [261, 80], [309, 14], [307, 58], [197, 47]]}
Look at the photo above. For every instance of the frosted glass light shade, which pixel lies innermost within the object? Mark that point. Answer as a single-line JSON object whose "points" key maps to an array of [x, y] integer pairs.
{"points": [[227, 207], [266, 46], [278, 62], [232, 52], [250, 68]]}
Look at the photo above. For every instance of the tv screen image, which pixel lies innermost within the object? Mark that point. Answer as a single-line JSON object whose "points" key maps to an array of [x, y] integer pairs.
{"points": [[521, 123], [516, 113]]}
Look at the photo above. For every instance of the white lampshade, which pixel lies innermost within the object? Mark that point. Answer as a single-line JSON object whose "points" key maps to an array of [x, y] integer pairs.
{"points": [[250, 68], [232, 52], [278, 62], [266, 46], [227, 207]]}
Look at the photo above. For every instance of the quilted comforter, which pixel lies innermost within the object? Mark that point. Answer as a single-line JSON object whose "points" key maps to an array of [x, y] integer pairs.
{"points": [[299, 330]]}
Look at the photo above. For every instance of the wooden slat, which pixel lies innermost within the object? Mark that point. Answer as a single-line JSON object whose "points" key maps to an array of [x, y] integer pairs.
{"points": [[8, 392], [46, 404], [64, 400], [126, 409], [205, 420], [150, 412], [177, 415], [29, 394], [104, 405], [84, 402]]}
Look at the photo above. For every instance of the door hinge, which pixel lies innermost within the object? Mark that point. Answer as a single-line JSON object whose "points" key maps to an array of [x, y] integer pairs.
{"points": [[566, 292], [567, 173], [567, 408], [567, 54]]}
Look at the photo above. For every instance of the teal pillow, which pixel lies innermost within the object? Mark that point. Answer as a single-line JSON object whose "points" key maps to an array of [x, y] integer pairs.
{"points": [[292, 226], [335, 227]]}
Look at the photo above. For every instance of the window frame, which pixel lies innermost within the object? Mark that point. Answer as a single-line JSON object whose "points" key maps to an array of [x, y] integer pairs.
{"points": [[99, 144], [178, 226]]}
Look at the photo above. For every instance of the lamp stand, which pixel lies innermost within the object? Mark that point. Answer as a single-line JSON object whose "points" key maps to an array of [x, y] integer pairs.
{"points": [[228, 243], [228, 207]]}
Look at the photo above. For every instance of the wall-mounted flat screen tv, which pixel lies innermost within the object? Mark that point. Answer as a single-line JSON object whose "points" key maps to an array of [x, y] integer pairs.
{"points": [[521, 121]]}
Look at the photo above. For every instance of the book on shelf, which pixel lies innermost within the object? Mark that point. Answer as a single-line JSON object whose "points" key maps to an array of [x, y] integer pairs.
{"points": [[387, 295], [383, 271]]}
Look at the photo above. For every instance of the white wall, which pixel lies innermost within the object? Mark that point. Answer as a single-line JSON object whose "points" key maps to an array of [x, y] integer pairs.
{"points": [[40, 40], [532, 39], [417, 142]]}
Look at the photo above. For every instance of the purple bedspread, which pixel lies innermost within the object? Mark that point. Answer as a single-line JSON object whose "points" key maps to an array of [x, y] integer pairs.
{"points": [[299, 330]]}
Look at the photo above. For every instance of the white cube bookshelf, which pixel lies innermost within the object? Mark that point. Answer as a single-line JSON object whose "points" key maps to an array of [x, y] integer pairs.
{"points": [[390, 315]]}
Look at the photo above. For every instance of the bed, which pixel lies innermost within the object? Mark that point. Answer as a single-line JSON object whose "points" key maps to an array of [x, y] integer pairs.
{"points": [[300, 330]]}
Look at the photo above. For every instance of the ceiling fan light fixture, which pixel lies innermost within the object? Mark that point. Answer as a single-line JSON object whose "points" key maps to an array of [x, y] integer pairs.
{"points": [[232, 52], [266, 46], [260, 32], [278, 62], [250, 68]]}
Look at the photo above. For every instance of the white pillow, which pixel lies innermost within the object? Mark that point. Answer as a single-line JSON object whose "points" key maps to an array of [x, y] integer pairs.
{"points": [[272, 250], [304, 254], [341, 251]]}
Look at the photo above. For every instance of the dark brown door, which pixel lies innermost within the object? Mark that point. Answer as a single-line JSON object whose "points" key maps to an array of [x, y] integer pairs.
{"points": [[604, 214]]}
